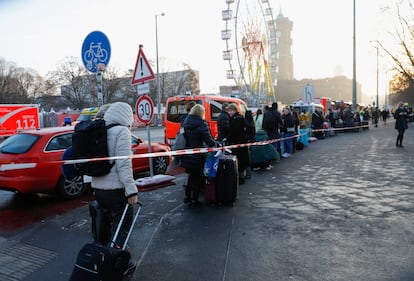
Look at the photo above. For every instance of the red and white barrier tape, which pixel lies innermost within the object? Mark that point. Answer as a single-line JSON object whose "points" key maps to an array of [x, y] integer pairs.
{"points": [[17, 166]]}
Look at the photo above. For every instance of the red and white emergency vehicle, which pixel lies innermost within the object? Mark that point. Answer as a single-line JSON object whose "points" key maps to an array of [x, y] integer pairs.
{"points": [[17, 117]]}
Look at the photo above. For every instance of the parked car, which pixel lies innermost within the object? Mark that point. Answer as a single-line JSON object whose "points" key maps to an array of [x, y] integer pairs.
{"points": [[47, 145]]}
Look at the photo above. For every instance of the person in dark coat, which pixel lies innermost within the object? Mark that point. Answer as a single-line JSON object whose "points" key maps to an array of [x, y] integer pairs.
{"points": [[317, 123], [375, 116], [187, 109], [223, 123], [400, 116], [288, 131], [348, 117], [197, 135], [250, 128], [237, 135], [272, 121]]}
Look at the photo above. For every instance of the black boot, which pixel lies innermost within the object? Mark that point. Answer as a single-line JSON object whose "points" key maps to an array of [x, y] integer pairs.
{"points": [[195, 203], [187, 198]]}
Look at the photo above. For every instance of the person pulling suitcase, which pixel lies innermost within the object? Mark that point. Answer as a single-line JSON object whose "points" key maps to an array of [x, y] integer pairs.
{"points": [[117, 188], [106, 262]]}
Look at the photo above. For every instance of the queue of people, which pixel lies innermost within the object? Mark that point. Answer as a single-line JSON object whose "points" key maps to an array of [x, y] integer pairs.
{"points": [[267, 124]]}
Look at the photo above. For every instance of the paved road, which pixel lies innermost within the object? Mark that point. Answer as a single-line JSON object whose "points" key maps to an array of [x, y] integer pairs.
{"points": [[341, 209]]}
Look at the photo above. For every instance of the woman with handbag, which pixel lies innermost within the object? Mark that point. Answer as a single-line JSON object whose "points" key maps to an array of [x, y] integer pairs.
{"points": [[197, 135]]}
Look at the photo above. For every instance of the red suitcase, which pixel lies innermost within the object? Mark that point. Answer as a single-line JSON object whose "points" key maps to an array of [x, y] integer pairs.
{"points": [[210, 191]]}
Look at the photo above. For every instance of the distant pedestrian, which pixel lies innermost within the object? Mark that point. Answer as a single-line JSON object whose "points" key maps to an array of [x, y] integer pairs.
{"points": [[349, 117], [317, 124], [272, 122], [258, 120], [384, 115], [375, 116], [237, 135], [223, 123], [288, 131], [250, 128], [400, 116]]}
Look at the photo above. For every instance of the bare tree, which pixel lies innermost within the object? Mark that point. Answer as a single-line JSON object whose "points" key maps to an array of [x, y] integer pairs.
{"points": [[402, 61], [77, 85], [17, 84]]}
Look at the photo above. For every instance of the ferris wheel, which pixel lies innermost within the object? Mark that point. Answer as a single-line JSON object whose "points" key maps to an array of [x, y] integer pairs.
{"points": [[251, 48]]}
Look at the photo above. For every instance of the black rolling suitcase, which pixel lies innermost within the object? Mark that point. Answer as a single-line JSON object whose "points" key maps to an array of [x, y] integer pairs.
{"points": [[227, 179], [104, 263]]}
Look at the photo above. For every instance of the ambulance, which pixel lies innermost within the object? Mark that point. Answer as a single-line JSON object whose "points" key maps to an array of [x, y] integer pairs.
{"points": [[18, 117]]}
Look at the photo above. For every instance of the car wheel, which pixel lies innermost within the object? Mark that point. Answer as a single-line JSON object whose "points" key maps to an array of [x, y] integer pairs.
{"points": [[160, 165], [70, 189]]}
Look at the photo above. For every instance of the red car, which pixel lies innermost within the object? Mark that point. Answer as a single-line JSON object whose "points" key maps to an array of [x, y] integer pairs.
{"points": [[47, 145]]}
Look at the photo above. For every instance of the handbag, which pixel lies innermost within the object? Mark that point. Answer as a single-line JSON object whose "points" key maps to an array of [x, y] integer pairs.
{"points": [[180, 140]]}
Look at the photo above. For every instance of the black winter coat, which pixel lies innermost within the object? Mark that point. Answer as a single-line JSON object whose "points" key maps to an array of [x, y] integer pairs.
{"points": [[272, 121], [237, 135], [400, 119], [223, 125], [288, 122], [197, 133]]}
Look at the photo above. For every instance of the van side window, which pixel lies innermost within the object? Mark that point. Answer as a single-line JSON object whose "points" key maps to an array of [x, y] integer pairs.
{"points": [[215, 109], [177, 109]]}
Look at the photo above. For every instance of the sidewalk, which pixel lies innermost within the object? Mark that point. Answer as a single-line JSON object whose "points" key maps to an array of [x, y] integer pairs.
{"points": [[341, 209]]}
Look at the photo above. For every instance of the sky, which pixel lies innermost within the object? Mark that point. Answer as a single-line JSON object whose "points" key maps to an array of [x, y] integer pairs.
{"points": [[38, 34]]}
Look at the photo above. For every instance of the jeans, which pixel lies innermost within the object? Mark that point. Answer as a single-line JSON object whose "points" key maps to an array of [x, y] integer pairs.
{"points": [[288, 143]]}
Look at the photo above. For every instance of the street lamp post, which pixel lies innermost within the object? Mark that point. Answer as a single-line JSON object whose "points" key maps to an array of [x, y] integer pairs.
{"points": [[158, 71], [377, 74], [354, 83]]}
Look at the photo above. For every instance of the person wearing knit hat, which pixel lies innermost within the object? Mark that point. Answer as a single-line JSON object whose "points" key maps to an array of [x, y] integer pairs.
{"points": [[115, 189]]}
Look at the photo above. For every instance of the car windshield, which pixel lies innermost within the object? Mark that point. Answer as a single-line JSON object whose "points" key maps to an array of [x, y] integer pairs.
{"points": [[19, 143], [85, 117]]}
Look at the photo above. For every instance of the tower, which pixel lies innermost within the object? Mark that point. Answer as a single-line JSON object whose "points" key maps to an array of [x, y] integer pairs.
{"points": [[284, 45]]}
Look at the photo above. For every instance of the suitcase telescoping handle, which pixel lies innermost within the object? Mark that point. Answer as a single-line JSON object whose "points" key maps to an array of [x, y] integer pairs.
{"points": [[120, 224]]}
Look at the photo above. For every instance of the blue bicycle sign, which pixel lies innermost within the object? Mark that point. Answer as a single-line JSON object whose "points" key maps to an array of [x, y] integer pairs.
{"points": [[96, 50]]}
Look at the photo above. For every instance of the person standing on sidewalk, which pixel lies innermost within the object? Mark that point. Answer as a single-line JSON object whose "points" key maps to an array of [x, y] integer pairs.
{"points": [[272, 122], [223, 124], [117, 188], [400, 116], [237, 135], [197, 133], [288, 131]]}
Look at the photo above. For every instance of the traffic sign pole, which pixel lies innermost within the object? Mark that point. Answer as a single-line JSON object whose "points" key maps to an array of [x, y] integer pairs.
{"points": [[99, 84], [144, 109], [96, 52]]}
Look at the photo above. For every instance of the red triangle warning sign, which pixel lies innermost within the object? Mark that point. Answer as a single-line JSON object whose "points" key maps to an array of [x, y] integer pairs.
{"points": [[143, 71]]}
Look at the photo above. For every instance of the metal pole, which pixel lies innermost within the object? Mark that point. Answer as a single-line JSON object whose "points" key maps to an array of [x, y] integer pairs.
{"points": [[354, 90], [149, 151], [99, 83], [377, 75], [158, 72]]}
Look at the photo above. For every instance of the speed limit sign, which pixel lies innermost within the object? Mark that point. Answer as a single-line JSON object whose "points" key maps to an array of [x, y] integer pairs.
{"points": [[144, 109]]}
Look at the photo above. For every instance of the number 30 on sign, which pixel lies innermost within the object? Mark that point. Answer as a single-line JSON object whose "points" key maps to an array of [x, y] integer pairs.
{"points": [[144, 109]]}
